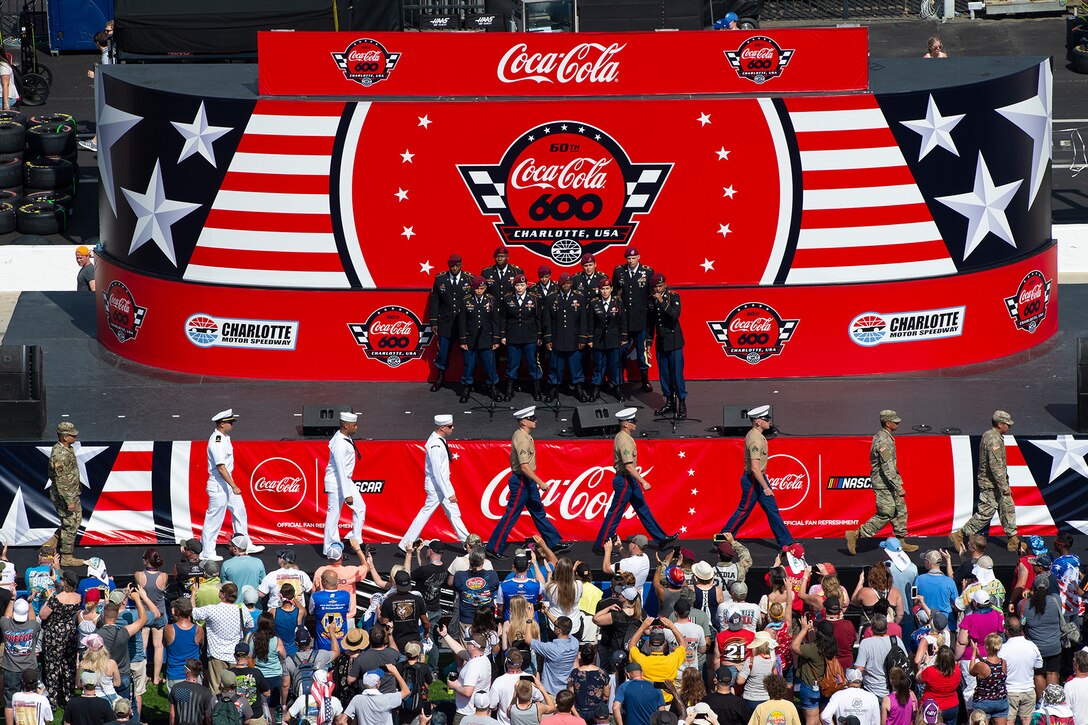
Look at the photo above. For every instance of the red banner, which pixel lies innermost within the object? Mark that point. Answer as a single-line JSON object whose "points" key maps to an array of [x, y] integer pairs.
{"points": [[310, 64]]}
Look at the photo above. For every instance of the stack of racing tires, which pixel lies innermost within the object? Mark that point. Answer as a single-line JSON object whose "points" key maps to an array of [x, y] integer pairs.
{"points": [[38, 172]]}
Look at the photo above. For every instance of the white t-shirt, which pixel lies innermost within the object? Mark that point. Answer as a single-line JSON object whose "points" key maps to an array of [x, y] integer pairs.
{"points": [[639, 566], [13, 92], [371, 707], [854, 701], [552, 595], [1076, 693], [502, 694], [1021, 658], [693, 637], [461, 564], [475, 673], [748, 611], [276, 579], [31, 708]]}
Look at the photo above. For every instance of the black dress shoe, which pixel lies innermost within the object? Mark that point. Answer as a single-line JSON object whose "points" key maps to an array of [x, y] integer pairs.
{"points": [[494, 556], [465, 395], [664, 543], [436, 386], [561, 547]]}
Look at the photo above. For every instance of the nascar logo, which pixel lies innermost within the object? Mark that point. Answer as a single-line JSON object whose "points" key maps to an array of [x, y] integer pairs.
{"points": [[847, 483]]}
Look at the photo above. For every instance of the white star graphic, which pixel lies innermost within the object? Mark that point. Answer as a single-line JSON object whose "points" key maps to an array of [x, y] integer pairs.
{"points": [[581, 129], [935, 130], [724, 229], [691, 471], [707, 265], [406, 157], [722, 154], [597, 137], [694, 492], [83, 454], [984, 208], [112, 125], [455, 456], [426, 267], [199, 136], [682, 454], [691, 512], [547, 130], [16, 529], [402, 194], [728, 191], [563, 127], [155, 215], [532, 138], [1033, 118], [424, 121], [408, 232], [683, 529], [1068, 454], [704, 119]]}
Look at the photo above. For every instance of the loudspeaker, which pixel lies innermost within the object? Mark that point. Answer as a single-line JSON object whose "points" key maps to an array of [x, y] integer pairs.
{"points": [[735, 421], [597, 419], [322, 420], [22, 392]]}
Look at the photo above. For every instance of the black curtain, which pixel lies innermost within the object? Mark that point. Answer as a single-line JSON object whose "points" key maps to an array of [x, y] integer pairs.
{"points": [[376, 15]]}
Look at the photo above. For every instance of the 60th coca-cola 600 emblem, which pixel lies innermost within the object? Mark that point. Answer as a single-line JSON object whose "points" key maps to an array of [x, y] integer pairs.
{"points": [[753, 332], [366, 62], [123, 315], [1027, 307], [759, 59], [565, 188], [392, 335]]}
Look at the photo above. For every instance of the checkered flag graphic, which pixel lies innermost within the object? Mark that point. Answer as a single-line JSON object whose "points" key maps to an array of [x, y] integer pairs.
{"points": [[642, 191], [490, 195], [721, 331]]}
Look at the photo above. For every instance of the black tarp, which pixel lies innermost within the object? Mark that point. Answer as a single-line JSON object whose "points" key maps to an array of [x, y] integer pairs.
{"points": [[211, 27], [375, 15]]}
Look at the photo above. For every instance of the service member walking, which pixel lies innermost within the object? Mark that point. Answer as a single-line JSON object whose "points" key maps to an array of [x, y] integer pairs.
{"points": [[223, 492], [628, 487], [521, 333], [632, 285], [481, 332], [993, 484], [447, 296], [436, 482], [754, 486], [887, 485], [64, 493], [664, 329], [340, 488], [524, 490]]}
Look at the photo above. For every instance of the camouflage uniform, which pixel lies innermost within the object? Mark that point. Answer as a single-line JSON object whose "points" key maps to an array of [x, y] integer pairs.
{"points": [[888, 486], [993, 484], [64, 473]]}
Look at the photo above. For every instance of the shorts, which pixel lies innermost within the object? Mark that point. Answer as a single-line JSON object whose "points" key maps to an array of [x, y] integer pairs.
{"points": [[13, 682], [139, 677], [993, 708], [1021, 706], [1050, 664], [157, 623], [810, 697]]}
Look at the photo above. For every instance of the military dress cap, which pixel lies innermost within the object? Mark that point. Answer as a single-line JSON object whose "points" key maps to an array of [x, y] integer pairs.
{"points": [[1001, 416], [454, 259], [479, 281], [520, 279], [760, 411], [630, 252], [443, 420], [349, 417], [587, 257], [657, 279], [627, 414], [889, 416], [564, 278], [525, 412], [500, 250], [604, 282], [543, 270], [225, 416], [67, 428]]}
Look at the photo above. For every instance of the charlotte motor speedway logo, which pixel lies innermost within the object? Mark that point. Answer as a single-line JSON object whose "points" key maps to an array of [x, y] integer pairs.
{"points": [[392, 335], [759, 59], [366, 62], [753, 332], [1027, 307], [875, 328], [563, 189], [204, 330], [123, 315]]}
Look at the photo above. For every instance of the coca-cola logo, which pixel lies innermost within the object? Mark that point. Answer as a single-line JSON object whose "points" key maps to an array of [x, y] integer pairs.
{"points": [[789, 479], [587, 495], [393, 335], [753, 332], [584, 63], [123, 316], [759, 59], [1027, 307], [278, 485], [366, 61], [563, 189]]}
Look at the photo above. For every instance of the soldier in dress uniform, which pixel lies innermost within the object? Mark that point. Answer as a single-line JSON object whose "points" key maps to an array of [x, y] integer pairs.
{"points": [[447, 296], [565, 334], [993, 484], [521, 333], [500, 276], [628, 487], [754, 486], [64, 493], [607, 338], [481, 331], [524, 486], [664, 328], [544, 286], [887, 485], [631, 284], [589, 279], [340, 487], [223, 492]]}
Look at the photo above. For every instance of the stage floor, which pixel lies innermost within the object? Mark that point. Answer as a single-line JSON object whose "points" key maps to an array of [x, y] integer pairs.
{"points": [[110, 398]]}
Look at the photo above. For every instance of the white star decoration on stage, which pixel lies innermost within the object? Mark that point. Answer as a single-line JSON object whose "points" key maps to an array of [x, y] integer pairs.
{"points": [[1068, 454], [426, 267], [199, 136], [406, 157], [704, 119], [112, 125], [724, 229], [155, 215], [691, 471], [402, 194], [728, 191], [16, 529], [984, 208], [1033, 118], [707, 265], [83, 454], [408, 232], [424, 121], [722, 154], [691, 512], [682, 454], [935, 130], [694, 492]]}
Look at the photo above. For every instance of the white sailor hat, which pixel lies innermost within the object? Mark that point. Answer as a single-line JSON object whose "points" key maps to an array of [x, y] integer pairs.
{"points": [[443, 420], [760, 411], [525, 412], [348, 417], [627, 414], [227, 415]]}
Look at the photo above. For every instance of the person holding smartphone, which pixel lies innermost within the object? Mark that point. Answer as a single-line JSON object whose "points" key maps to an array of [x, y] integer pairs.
{"points": [[658, 665]]}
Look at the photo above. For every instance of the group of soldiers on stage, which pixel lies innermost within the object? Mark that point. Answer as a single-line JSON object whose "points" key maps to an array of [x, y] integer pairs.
{"points": [[580, 320]]}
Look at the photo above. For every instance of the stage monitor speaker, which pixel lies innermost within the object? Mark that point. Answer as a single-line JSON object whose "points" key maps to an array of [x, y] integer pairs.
{"points": [[322, 420], [735, 421], [1082, 350], [597, 419], [22, 392]]}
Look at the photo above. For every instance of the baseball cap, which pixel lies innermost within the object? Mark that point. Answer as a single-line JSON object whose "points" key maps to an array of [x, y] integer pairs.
{"points": [[630, 594], [21, 611], [118, 595], [288, 555], [891, 544], [723, 675], [1042, 581], [633, 667], [302, 636], [979, 596], [335, 553], [412, 649], [240, 542], [249, 594], [739, 590], [601, 714], [889, 416], [210, 567], [940, 620], [639, 540], [481, 700], [403, 580], [1001, 416], [241, 649], [920, 615], [1041, 560], [193, 545], [853, 675], [87, 677], [227, 680], [657, 639], [436, 546], [736, 623], [1038, 546], [832, 605], [675, 577], [664, 717]]}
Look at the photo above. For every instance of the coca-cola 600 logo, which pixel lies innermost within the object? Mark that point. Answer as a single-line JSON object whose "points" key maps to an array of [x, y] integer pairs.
{"points": [[1027, 307], [753, 332], [366, 62], [278, 485], [584, 63], [759, 59], [392, 335], [123, 315], [789, 479], [563, 189]]}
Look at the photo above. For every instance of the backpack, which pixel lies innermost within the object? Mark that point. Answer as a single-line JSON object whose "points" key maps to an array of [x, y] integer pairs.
{"points": [[896, 657], [226, 712], [415, 676], [834, 678], [1070, 633], [304, 673]]}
